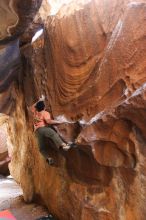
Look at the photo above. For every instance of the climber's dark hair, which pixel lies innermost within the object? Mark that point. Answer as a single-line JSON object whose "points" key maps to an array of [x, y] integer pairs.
{"points": [[40, 106]]}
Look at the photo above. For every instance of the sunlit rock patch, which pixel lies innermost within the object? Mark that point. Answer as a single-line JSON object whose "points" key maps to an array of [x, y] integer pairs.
{"points": [[5, 145], [89, 62]]}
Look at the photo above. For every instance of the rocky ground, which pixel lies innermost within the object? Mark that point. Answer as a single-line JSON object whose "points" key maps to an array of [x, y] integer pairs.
{"points": [[11, 199]]}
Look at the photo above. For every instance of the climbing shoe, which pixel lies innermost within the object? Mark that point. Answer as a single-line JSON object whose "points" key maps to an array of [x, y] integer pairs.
{"points": [[72, 144], [50, 161], [65, 146]]}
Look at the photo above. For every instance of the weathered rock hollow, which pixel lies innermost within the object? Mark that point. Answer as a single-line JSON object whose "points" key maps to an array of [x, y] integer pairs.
{"points": [[90, 64]]}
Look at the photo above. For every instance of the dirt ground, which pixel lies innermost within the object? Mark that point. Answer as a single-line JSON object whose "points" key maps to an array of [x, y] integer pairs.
{"points": [[11, 199]]}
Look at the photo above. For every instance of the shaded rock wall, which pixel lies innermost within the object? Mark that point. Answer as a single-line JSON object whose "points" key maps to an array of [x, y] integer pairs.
{"points": [[15, 17], [90, 64]]}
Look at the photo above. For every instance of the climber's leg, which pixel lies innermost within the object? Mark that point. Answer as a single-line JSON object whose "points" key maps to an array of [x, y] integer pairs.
{"points": [[41, 143], [50, 133]]}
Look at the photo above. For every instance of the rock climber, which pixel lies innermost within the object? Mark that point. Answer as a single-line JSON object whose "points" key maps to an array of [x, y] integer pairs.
{"points": [[41, 122]]}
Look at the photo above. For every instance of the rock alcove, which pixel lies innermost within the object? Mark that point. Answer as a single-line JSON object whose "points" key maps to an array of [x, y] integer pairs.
{"points": [[88, 59]]}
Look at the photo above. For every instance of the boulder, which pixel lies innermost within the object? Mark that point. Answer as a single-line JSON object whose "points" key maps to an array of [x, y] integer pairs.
{"points": [[89, 62]]}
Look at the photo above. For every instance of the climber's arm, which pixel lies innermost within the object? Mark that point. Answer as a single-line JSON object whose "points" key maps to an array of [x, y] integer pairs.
{"points": [[48, 119], [52, 122]]}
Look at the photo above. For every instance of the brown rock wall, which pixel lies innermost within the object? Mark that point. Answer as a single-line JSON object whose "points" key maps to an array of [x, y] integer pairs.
{"points": [[91, 69], [5, 145], [89, 63], [15, 16]]}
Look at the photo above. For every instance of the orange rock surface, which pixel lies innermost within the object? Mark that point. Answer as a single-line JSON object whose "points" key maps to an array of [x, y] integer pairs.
{"points": [[90, 64]]}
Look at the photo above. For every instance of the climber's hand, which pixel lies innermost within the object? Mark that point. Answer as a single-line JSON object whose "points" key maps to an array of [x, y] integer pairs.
{"points": [[42, 98], [59, 122]]}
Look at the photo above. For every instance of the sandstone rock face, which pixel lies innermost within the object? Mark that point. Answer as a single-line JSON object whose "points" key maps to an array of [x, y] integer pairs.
{"points": [[15, 16], [90, 64], [3, 148]]}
